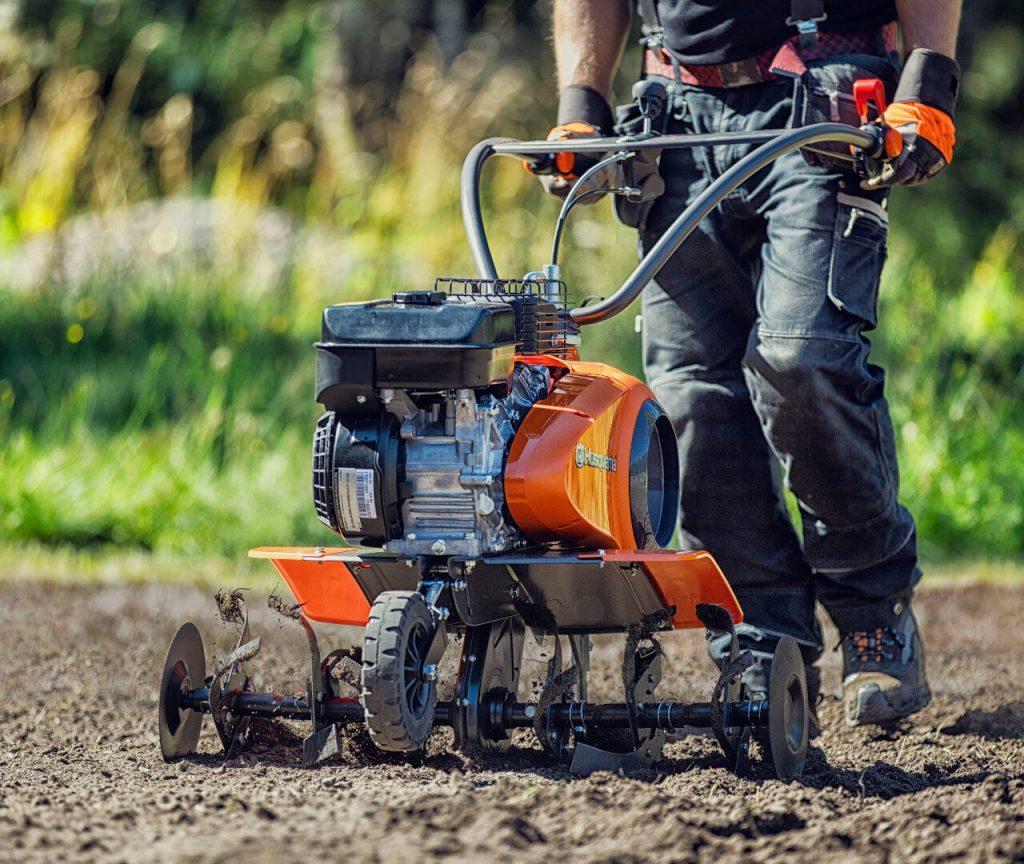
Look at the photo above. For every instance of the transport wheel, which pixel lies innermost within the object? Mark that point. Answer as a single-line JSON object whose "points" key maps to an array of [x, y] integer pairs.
{"points": [[492, 655], [184, 669], [399, 693], [787, 711]]}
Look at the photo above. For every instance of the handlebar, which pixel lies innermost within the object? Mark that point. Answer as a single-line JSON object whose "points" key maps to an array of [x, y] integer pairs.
{"points": [[774, 145]]}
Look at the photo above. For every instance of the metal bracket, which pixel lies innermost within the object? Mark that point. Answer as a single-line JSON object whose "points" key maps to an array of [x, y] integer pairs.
{"points": [[807, 29], [319, 689]]}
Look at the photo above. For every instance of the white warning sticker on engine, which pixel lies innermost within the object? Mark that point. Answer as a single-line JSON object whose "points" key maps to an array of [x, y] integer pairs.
{"points": [[354, 497]]}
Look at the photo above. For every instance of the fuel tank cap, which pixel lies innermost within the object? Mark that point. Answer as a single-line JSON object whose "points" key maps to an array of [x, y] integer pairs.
{"points": [[419, 298]]}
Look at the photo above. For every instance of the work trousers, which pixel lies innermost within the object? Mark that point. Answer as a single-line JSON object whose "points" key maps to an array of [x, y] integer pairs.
{"points": [[755, 342]]}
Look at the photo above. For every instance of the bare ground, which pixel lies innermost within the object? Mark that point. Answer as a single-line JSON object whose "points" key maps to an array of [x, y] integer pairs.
{"points": [[81, 776]]}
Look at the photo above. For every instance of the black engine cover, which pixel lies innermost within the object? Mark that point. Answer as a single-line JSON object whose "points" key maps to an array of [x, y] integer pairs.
{"points": [[356, 463], [418, 341]]}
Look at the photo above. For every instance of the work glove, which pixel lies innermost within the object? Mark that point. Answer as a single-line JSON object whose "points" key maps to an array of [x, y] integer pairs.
{"points": [[582, 113], [922, 112]]}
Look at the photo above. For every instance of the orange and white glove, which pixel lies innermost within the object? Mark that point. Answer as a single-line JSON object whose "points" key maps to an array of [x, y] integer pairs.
{"points": [[922, 112]]}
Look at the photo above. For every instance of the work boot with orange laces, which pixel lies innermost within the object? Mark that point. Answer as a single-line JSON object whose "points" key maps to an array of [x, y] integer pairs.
{"points": [[883, 671]]}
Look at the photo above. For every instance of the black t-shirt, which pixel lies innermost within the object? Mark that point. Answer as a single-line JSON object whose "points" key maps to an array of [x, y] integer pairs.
{"points": [[715, 31]]}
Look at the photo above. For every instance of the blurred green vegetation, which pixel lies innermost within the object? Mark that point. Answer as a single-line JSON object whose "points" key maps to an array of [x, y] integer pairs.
{"points": [[173, 411]]}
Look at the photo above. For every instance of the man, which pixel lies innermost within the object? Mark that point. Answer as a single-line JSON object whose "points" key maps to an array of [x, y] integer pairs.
{"points": [[754, 332]]}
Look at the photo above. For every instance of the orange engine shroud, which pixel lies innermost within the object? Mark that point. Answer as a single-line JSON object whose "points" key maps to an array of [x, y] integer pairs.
{"points": [[567, 477]]}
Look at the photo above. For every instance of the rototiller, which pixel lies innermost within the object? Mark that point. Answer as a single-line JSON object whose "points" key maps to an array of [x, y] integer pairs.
{"points": [[496, 485]]}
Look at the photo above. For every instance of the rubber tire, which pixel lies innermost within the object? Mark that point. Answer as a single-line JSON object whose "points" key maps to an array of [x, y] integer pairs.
{"points": [[393, 724]]}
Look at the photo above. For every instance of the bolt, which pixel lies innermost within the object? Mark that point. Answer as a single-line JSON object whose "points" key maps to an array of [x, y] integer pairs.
{"points": [[485, 505], [410, 536], [552, 735], [443, 612], [361, 399], [464, 702], [650, 678], [639, 706], [459, 585], [579, 729], [438, 547], [430, 672], [471, 658], [530, 711]]}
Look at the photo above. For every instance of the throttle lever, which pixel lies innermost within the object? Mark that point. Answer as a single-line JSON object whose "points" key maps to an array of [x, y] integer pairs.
{"points": [[889, 142], [867, 90]]}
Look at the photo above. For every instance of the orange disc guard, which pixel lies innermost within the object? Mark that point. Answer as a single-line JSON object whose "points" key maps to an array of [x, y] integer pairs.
{"points": [[567, 477]]}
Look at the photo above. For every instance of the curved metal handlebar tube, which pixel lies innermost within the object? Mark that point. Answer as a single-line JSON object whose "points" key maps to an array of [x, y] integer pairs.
{"points": [[710, 198], [774, 146], [527, 149], [472, 214]]}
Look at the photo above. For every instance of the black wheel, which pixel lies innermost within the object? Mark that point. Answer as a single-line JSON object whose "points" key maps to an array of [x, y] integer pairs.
{"points": [[398, 695], [184, 670], [787, 711]]}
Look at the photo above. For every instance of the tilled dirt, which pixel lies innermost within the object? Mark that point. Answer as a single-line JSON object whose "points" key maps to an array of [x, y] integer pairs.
{"points": [[81, 777]]}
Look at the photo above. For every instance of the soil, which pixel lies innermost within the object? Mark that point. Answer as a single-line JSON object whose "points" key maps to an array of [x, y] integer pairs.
{"points": [[81, 777]]}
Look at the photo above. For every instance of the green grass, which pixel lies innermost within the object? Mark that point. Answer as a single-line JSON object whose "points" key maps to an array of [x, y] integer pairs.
{"points": [[178, 419]]}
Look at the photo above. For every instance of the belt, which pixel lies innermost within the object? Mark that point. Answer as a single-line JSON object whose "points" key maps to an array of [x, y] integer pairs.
{"points": [[787, 60]]}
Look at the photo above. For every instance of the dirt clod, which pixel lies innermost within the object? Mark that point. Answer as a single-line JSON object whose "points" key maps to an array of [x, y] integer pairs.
{"points": [[231, 606], [284, 607]]}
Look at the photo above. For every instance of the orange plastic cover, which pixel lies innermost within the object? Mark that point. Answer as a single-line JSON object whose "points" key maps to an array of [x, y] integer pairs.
{"points": [[683, 579], [325, 589]]}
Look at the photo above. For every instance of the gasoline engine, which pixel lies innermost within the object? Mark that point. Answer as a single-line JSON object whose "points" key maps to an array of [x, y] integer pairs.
{"points": [[425, 394]]}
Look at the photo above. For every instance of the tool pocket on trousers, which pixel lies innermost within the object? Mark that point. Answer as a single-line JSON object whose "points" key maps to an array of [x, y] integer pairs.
{"points": [[824, 94], [858, 255]]}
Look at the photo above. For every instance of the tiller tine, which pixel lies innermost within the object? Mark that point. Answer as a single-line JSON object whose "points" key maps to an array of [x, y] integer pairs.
{"points": [[325, 739]]}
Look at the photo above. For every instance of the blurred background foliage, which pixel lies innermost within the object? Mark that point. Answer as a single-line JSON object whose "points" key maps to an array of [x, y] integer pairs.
{"points": [[185, 183]]}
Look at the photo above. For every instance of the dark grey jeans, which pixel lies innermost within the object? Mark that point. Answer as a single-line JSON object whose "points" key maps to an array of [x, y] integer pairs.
{"points": [[754, 341]]}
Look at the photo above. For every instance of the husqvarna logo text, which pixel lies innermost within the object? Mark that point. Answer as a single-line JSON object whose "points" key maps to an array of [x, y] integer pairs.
{"points": [[585, 457]]}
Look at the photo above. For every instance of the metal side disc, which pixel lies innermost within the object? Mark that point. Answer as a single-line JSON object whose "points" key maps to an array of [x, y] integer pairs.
{"points": [[787, 711], [491, 659], [184, 670]]}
